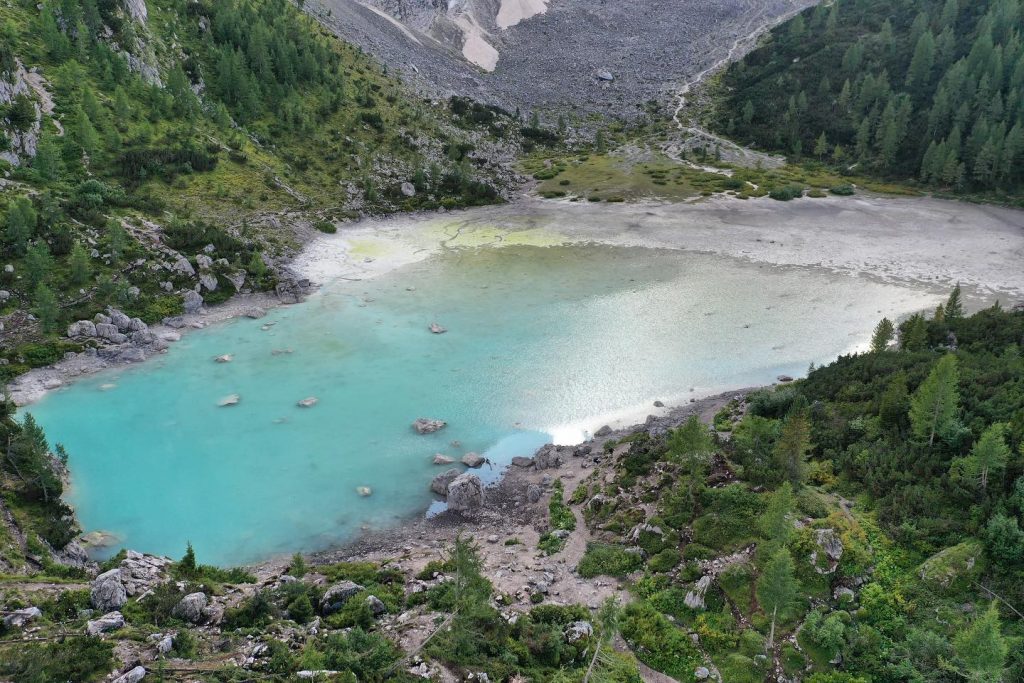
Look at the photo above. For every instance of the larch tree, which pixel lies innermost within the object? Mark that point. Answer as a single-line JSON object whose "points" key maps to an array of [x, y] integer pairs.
{"points": [[936, 403], [775, 524], [981, 649], [793, 446], [883, 335], [988, 457], [777, 589]]}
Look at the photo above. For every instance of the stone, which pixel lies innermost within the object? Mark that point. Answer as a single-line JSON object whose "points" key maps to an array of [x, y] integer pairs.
{"points": [[493, 538], [578, 630], [191, 301], [522, 461], [828, 541], [548, 457], [439, 484], [337, 595], [122, 321], [473, 460], [424, 425], [466, 494], [107, 592], [190, 608], [308, 402], [213, 613], [254, 312], [604, 75], [603, 431], [441, 459], [18, 618], [533, 493], [132, 675], [108, 622], [4, 295], [208, 282], [136, 325], [701, 673], [224, 358], [82, 328], [437, 329], [204, 262], [843, 594], [183, 266], [659, 404], [695, 599], [229, 400], [364, 491], [376, 605], [142, 338], [165, 644]]}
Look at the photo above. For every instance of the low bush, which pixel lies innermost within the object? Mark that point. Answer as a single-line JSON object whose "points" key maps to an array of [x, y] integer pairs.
{"points": [[609, 560]]}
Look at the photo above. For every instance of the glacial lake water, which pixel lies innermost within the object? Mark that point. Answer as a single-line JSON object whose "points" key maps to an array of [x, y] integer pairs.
{"points": [[544, 343]]}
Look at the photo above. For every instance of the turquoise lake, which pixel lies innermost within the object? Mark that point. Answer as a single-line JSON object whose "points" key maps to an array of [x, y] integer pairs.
{"points": [[544, 343]]}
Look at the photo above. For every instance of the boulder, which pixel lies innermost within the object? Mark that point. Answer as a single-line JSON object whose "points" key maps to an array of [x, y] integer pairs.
{"points": [[603, 431], [191, 301], [165, 644], [254, 312], [831, 547], [701, 673], [408, 189], [204, 262], [466, 494], [337, 595], [439, 484], [377, 607], [237, 279], [136, 325], [140, 573], [190, 608], [208, 281], [695, 599], [107, 592], [308, 402], [548, 457], [578, 630], [441, 459], [213, 613], [184, 267], [224, 358], [473, 460], [533, 493], [18, 618], [424, 425], [229, 400], [957, 564], [122, 321], [82, 328], [364, 491], [132, 675], [110, 332], [437, 329], [604, 75], [142, 338], [522, 461], [108, 622]]}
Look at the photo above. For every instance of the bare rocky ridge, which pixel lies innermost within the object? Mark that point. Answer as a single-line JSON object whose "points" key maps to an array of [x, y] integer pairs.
{"points": [[606, 57]]}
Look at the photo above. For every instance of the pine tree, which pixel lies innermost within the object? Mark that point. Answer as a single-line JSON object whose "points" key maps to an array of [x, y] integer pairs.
{"points": [[20, 224], [117, 239], [79, 264], [893, 406], [936, 403], [748, 112], [919, 73], [954, 305], [775, 524], [793, 446], [883, 335], [47, 159], [988, 457], [777, 589], [821, 146], [981, 649], [38, 264], [187, 566], [914, 333], [46, 307]]}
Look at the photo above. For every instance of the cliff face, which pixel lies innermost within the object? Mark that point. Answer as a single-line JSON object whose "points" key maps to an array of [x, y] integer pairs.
{"points": [[603, 57]]}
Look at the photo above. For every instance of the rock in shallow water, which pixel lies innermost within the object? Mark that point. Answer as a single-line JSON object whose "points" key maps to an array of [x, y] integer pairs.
{"points": [[439, 484], [229, 400], [308, 402], [441, 459], [437, 329], [473, 460], [466, 494], [424, 425]]}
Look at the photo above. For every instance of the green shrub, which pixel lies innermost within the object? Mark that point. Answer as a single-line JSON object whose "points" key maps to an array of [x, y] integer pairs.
{"points": [[658, 642], [76, 658], [326, 227], [664, 561], [609, 560], [843, 190], [786, 192]]}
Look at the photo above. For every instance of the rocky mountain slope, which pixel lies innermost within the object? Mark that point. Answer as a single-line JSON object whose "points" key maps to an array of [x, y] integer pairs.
{"points": [[572, 55]]}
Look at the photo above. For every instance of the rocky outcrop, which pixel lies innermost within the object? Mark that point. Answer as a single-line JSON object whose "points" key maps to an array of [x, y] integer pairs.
{"points": [[137, 10], [108, 622], [439, 484], [578, 630], [107, 592], [424, 425], [191, 301], [19, 618], [132, 675], [337, 595], [466, 495], [831, 547], [694, 599], [190, 608]]}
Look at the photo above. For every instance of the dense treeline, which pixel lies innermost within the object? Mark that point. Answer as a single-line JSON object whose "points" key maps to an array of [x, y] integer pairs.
{"points": [[931, 90]]}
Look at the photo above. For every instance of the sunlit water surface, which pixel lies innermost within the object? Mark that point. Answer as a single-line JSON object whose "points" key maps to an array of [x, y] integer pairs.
{"points": [[543, 343]]}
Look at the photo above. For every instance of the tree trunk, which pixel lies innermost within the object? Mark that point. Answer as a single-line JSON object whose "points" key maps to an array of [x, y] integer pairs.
{"points": [[771, 633]]}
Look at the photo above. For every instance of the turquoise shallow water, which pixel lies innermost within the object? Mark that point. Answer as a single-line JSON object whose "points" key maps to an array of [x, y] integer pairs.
{"points": [[543, 343]]}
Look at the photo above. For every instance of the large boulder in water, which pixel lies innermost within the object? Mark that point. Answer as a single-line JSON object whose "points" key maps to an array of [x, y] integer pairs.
{"points": [[440, 483], [466, 494], [107, 592], [424, 425]]}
